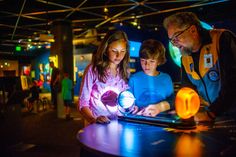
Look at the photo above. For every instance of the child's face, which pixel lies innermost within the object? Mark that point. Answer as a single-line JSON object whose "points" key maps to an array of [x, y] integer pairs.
{"points": [[117, 51], [149, 66]]}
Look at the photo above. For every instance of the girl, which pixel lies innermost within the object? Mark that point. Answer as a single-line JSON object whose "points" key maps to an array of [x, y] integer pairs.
{"points": [[105, 78]]}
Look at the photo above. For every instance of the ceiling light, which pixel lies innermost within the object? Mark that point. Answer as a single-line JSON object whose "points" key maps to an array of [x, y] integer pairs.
{"points": [[18, 48], [105, 10], [134, 23]]}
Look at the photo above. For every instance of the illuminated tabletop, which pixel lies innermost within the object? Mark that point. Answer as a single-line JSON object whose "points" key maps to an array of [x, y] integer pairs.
{"points": [[120, 138]]}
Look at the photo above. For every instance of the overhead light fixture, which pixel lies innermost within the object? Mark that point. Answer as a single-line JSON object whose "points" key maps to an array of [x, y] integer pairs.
{"points": [[135, 22], [105, 10], [46, 37]]}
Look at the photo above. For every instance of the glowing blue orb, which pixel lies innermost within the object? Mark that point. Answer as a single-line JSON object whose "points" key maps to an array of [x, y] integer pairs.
{"points": [[174, 51], [125, 101]]}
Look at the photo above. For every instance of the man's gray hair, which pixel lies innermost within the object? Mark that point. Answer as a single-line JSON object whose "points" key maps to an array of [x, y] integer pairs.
{"points": [[182, 19]]}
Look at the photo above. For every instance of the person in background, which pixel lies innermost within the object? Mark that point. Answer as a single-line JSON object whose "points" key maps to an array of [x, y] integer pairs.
{"points": [[54, 84], [34, 91], [105, 78], [208, 63], [67, 86], [152, 89]]}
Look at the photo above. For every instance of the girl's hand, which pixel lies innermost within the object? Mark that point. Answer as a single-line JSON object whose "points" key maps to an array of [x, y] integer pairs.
{"points": [[103, 119]]}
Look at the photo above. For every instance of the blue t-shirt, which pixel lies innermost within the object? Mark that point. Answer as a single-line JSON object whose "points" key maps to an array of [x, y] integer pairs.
{"points": [[151, 89]]}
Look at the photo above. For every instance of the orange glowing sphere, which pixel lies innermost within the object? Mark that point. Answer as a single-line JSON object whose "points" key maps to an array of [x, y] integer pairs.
{"points": [[187, 103]]}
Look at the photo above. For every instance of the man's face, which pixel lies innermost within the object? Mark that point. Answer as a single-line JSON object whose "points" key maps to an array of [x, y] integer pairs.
{"points": [[181, 37]]}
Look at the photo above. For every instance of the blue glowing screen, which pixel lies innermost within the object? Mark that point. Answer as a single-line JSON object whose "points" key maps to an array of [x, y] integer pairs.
{"points": [[134, 48]]}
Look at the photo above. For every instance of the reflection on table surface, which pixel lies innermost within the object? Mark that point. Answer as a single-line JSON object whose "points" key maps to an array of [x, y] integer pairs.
{"points": [[120, 138]]}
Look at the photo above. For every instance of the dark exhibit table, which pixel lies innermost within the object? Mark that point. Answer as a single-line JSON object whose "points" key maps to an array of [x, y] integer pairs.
{"points": [[121, 138]]}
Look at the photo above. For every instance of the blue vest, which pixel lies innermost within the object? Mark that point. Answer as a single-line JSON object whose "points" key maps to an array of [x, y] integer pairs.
{"points": [[209, 69]]}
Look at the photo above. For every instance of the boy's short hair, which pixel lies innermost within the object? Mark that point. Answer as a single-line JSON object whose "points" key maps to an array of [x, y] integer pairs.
{"points": [[153, 49]]}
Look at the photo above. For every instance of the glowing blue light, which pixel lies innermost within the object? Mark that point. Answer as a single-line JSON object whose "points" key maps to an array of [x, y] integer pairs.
{"points": [[206, 26], [174, 51], [134, 48], [125, 101], [129, 139]]}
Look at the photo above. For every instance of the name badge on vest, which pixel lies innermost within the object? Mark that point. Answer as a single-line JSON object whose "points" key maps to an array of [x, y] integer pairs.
{"points": [[208, 60]]}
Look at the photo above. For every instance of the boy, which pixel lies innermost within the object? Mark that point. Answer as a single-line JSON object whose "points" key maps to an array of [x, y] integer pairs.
{"points": [[152, 89]]}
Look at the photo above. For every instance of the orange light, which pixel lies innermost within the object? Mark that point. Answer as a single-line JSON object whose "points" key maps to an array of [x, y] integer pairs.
{"points": [[187, 103], [188, 145]]}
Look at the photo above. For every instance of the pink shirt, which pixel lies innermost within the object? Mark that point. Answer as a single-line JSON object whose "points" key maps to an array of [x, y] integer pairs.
{"points": [[98, 96]]}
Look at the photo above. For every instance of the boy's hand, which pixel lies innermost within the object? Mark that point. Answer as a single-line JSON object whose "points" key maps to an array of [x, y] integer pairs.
{"points": [[135, 110], [151, 111]]}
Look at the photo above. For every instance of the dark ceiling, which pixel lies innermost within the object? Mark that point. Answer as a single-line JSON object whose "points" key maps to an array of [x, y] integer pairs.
{"points": [[21, 20]]}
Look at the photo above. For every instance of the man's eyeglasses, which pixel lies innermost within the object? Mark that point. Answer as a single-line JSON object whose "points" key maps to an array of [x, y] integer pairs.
{"points": [[174, 39]]}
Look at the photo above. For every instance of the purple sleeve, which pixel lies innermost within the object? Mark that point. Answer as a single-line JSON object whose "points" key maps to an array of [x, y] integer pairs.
{"points": [[86, 87]]}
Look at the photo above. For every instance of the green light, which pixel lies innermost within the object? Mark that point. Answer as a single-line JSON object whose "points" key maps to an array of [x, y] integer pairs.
{"points": [[18, 48], [175, 52]]}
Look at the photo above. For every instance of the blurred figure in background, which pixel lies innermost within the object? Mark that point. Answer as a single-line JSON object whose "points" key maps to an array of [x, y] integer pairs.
{"points": [[67, 86], [54, 84], [34, 91]]}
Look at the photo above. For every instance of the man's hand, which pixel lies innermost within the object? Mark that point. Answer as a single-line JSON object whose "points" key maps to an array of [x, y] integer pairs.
{"points": [[203, 102], [204, 117]]}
